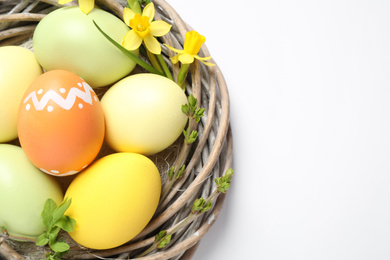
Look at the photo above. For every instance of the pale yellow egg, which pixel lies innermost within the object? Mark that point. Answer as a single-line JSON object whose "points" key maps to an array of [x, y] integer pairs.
{"points": [[143, 113], [18, 69], [113, 200]]}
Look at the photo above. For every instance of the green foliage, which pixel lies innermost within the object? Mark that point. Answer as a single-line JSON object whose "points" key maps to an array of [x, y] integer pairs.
{"points": [[54, 220], [162, 239], [223, 183], [201, 206], [134, 5], [180, 173], [171, 172], [194, 113]]}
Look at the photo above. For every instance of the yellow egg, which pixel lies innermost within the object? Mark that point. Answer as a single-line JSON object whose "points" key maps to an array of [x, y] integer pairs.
{"points": [[18, 68], [143, 113], [113, 200]]}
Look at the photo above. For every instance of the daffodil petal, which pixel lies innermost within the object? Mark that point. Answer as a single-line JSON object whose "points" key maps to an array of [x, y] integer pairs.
{"points": [[149, 11], [186, 58], [175, 59], [131, 40], [62, 2], [152, 44], [174, 49], [159, 28], [128, 14], [207, 63], [86, 5], [201, 58]]}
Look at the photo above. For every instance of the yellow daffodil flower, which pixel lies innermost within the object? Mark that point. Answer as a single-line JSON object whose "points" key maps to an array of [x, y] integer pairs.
{"points": [[192, 43], [144, 29], [85, 5]]}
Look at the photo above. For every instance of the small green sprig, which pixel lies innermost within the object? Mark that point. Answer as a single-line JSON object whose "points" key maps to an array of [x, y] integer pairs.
{"points": [[54, 220], [199, 206], [194, 114], [191, 109], [223, 183], [162, 239]]}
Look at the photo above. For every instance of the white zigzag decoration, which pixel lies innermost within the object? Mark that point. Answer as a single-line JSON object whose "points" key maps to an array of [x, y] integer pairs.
{"points": [[66, 103]]}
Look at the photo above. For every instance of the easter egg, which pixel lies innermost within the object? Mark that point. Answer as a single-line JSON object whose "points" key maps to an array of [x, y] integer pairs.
{"points": [[113, 200], [18, 68], [23, 192], [143, 113], [60, 123], [68, 39]]}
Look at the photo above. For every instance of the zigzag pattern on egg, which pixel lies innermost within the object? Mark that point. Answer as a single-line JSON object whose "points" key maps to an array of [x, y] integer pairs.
{"points": [[66, 103]]}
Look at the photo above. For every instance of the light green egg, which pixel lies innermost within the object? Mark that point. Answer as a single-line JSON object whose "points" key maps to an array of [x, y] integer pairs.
{"points": [[23, 192], [67, 39]]}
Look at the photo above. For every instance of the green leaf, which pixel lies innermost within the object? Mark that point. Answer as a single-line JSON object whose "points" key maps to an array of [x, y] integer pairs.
{"points": [[47, 213], [135, 6], [171, 171], [192, 137], [59, 247], [197, 205], [160, 235], [129, 54], [223, 183], [198, 114], [60, 211], [180, 173], [185, 109], [42, 240], [66, 223], [164, 241], [192, 101], [53, 235], [206, 207]]}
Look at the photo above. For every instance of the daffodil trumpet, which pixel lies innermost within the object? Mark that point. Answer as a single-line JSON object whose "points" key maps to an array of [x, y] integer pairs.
{"points": [[129, 54], [192, 43]]}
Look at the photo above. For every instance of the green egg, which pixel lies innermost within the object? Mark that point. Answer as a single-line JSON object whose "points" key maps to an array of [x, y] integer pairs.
{"points": [[67, 39], [23, 192]]}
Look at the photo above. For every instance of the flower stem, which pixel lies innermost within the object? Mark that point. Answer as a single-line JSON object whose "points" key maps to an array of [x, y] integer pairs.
{"points": [[182, 75], [154, 61], [164, 66]]}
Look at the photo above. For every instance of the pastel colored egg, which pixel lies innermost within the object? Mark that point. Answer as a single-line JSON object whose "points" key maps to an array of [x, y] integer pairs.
{"points": [[113, 200], [18, 68], [60, 123], [143, 113], [68, 39], [23, 192]]}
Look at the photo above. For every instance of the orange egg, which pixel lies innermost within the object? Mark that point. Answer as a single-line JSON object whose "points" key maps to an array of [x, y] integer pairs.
{"points": [[60, 123]]}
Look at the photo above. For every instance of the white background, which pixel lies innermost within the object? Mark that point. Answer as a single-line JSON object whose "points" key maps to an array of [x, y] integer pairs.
{"points": [[309, 85]]}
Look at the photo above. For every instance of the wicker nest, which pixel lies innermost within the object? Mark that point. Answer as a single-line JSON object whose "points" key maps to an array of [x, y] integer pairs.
{"points": [[208, 158]]}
